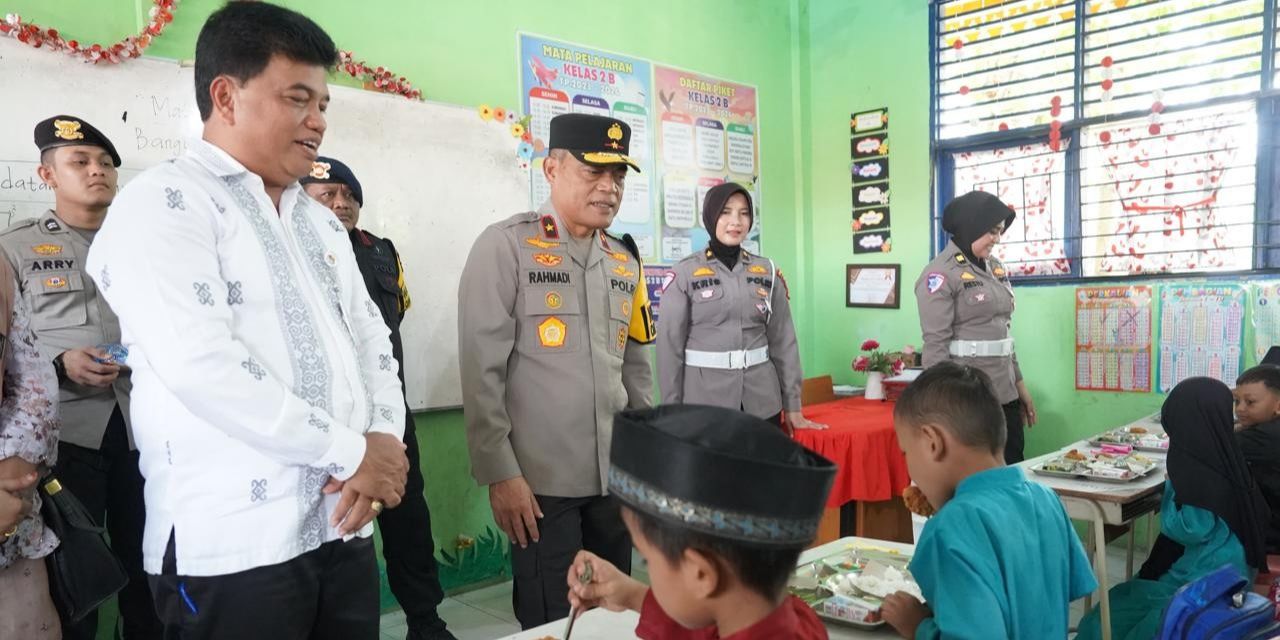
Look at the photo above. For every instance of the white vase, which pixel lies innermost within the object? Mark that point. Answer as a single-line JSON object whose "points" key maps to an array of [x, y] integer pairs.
{"points": [[875, 386]]}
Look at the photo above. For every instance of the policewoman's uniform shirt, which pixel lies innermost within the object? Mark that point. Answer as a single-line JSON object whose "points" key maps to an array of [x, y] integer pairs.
{"points": [[67, 312], [708, 307], [1000, 560], [259, 360], [958, 301], [549, 349]]}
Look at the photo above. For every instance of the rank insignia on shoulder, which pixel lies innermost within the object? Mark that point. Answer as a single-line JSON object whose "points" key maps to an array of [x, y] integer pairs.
{"points": [[547, 259], [620, 256], [967, 276], [703, 271], [549, 228], [551, 333], [755, 268], [622, 271], [47, 249], [960, 258], [541, 244], [52, 225]]}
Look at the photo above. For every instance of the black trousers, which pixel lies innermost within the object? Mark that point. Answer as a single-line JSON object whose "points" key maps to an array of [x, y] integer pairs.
{"points": [[541, 592], [107, 481], [1014, 443], [328, 593], [409, 550]]}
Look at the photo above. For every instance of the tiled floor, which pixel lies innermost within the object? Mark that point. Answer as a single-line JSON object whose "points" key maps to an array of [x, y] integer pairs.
{"points": [[485, 614]]}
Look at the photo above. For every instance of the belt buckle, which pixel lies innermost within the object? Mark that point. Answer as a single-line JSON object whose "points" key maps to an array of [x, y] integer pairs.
{"points": [[738, 359]]}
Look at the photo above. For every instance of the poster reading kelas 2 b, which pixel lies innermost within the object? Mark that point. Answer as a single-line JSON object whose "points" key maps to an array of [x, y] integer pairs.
{"points": [[559, 77], [706, 135]]}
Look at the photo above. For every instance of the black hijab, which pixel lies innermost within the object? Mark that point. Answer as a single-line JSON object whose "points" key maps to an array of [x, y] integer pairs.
{"points": [[971, 216], [712, 205], [1208, 471]]}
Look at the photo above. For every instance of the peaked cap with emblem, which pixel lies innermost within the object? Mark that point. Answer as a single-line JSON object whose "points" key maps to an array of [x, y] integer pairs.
{"points": [[329, 171], [720, 472], [66, 131], [594, 140]]}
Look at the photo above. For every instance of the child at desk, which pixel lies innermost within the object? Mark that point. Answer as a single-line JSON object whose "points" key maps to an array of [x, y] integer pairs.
{"points": [[1000, 558], [1257, 396], [720, 504], [1212, 514]]}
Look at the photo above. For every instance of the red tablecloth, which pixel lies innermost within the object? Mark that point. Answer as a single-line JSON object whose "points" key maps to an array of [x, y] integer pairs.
{"points": [[861, 442]]}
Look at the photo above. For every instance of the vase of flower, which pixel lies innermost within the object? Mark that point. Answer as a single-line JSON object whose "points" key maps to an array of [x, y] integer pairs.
{"points": [[875, 386], [876, 364]]}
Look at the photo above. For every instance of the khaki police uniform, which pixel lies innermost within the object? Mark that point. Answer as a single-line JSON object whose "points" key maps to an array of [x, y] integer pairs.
{"points": [[549, 350], [726, 337], [965, 314], [67, 313], [551, 345]]}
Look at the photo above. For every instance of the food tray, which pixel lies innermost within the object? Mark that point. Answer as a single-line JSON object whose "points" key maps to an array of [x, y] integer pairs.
{"points": [[1152, 432], [811, 583], [1077, 475]]}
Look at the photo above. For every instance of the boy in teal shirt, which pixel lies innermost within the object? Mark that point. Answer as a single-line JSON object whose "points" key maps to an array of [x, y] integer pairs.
{"points": [[1000, 558]]}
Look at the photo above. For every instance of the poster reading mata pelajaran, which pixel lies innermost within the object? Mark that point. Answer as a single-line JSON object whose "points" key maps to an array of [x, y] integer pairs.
{"points": [[560, 77], [707, 134]]}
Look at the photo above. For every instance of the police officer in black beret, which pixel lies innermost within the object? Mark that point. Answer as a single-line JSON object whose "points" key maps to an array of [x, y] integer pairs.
{"points": [[406, 530]]}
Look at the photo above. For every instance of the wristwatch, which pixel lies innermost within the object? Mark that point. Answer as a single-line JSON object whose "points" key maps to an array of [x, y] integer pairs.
{"points": [[59, 367]]}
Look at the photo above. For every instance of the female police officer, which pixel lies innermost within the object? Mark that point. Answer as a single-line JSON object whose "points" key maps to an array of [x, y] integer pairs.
{"points": [[966, 304], [725, 335]]}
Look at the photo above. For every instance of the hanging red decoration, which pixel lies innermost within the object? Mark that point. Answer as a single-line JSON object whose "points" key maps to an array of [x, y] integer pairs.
{"points": [[377, 79], [161, 16]]}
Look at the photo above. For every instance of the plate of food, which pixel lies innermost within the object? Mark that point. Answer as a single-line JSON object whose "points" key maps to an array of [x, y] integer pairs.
{"points": [[1106, 465], [849, 587], [1141, 436]]}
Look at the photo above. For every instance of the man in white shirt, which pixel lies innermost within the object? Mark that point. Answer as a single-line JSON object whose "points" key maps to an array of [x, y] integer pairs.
{"points": [[266, 405]]}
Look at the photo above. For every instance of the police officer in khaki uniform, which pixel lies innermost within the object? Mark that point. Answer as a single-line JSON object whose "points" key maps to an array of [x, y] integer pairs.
{"points": [[407, 545], [553, 319], [96, 456], [966, 305], [726, 337]]}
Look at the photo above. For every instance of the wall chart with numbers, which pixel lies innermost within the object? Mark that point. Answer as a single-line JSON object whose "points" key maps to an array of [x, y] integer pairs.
{"points": [[1113, 338], [1201, 332], [1266, 317]]}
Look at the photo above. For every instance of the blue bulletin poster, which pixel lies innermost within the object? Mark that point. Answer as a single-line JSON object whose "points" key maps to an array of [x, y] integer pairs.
{"points": [[560, 77]]}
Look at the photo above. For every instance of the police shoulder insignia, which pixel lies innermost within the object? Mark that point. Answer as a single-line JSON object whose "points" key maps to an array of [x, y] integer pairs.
{"points": [[548, 259], [755, 268], [703, 271], [934, 281], [960, 258], [68, 129], [619, 256], [52, 225], [551, 333], [549, 228]]}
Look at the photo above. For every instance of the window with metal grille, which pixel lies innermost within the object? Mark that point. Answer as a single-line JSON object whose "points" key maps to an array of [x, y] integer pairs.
{"points": [[1131, 136]]}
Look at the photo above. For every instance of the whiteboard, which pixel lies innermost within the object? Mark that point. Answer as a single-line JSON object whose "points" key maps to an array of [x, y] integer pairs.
{"points": [[434, 175]]}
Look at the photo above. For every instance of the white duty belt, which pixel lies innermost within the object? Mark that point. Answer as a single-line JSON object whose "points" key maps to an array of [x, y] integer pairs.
{"points": [[981, 348], [741, 359]]}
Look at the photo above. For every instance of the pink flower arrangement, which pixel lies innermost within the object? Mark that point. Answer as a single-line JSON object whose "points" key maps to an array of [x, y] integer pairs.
{"points": [[876, 361]]}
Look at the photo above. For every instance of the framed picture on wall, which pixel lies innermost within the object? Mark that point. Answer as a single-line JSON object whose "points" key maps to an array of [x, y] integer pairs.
{"points": [[873, 285]]}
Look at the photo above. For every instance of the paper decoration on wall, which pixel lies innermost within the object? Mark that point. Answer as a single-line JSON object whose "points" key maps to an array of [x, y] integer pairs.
{"points": [[1201, 332], [1113, 338], [872, 242], [160, 16], [869, 174], [1265, 302]]}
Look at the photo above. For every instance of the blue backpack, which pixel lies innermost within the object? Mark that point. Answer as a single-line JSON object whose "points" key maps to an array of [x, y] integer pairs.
{"points": [[1219, 606]]}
